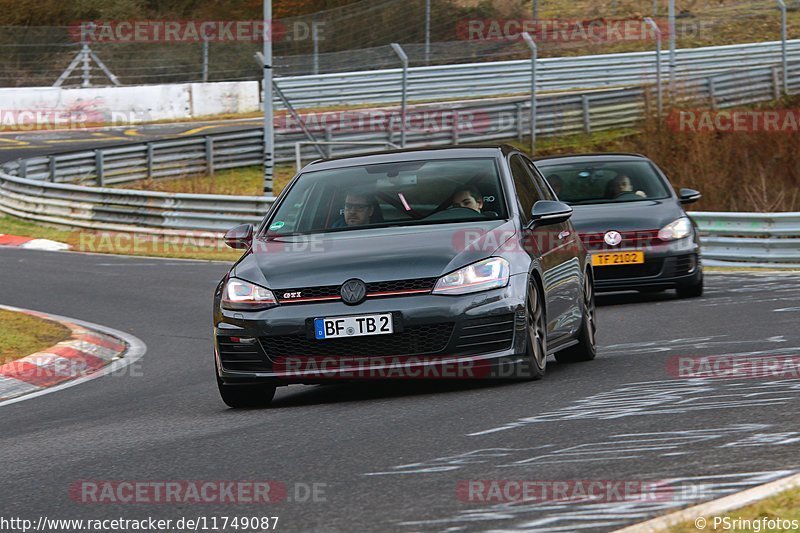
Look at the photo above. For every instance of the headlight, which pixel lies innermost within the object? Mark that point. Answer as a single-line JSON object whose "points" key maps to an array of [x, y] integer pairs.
{"points": [[241, 295], [488, 274], [677, 229]]}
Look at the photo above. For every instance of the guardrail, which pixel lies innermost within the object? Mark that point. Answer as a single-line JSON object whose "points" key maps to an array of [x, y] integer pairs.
{"points": [[751, 239], [513, 77]]}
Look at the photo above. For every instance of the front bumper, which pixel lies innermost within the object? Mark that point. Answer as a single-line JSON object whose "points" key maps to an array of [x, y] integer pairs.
{"points": [[666, 266], [435, 336]]}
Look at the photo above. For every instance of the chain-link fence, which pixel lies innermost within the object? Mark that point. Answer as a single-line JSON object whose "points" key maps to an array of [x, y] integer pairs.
{"points": [[357, 37]]}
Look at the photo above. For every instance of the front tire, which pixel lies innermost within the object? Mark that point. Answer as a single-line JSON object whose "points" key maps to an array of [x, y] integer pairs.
{"points": [[586, 349], [246, 396], [535, 363], [692, 290]]}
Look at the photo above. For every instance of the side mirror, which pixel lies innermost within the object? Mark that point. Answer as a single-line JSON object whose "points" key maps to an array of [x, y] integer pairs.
{"points": [[240, 237], [687, 196], [546, 212]]}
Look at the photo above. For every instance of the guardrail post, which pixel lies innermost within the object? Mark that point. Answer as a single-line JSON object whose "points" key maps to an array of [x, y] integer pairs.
{"points": [[149, 160], [776, 84], [587, 115], [404, 96], [52, 167], [784, 56], [23, 168], [534, 56], [456, 125], [328, 138], [98, 168], [519, 121], [712, 93], [209, 143], [659, 85]]}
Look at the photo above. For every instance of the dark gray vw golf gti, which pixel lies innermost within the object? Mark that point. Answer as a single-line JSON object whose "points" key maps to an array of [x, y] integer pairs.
{"points": [[446, 263], [631, 221]]}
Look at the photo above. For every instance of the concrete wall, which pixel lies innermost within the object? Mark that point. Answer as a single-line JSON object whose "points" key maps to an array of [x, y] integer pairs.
{"points": [[130, 104]]}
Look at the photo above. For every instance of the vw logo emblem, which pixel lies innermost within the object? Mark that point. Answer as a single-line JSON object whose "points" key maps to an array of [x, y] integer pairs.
{"points": [[353, 291], [612, 238]]}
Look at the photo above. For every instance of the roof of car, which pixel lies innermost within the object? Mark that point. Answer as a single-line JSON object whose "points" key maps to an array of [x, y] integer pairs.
{"points": [[413, 154], [604, 156]]}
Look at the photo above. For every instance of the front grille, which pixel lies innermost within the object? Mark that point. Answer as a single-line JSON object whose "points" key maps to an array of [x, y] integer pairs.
{"points": [[651, 267], [488, 334], [630, 239], [240, 354], [375, 289], [414, 340]]}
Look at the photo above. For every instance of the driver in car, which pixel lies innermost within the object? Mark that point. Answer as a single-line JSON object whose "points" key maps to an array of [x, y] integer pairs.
{"points": [[358, 209], [621, 185], [468, 197]]}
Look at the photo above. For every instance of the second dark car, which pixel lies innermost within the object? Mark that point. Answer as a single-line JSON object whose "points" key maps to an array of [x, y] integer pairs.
{"points": [[631, 221], [399, 264]]}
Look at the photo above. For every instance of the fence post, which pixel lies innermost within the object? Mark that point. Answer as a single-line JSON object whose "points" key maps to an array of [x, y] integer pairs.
{"points": [[712, 93], [98, 168], [205, 58], [209, 144], [404, 97], [532, 45], [456, 125], [149, 160], [784, 58], [519, 121], [328, 138], [776, 83], [53, 168], [587, 115], [23, 168], [659, 87]]}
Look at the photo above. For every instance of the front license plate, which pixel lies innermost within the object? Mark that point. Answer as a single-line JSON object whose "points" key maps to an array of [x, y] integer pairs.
{"points": [[353, 326], [618, 258]]}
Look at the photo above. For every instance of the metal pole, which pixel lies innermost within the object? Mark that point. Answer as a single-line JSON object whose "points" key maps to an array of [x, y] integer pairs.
{"points": [[784, 59], [655, 8], [427, 31], [672, 65], [315, 41], [532, 45], [87, 67], [404, 98], [535, 9], [659, 88], [269, 134], [205, 58]]}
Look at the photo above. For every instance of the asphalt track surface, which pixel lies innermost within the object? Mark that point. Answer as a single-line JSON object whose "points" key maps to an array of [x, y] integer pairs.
{"points": [[391, 456]]}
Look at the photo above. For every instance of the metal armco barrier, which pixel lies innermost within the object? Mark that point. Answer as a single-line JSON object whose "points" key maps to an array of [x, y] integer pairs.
{"points": [[763, 239], [513, 77]]}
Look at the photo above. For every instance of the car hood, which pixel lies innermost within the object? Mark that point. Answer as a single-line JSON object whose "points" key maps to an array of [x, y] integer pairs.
{"points": [[625, 216], [378, 254]]}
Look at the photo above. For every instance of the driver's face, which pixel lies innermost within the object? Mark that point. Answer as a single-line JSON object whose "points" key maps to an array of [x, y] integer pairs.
{"points": [[465, 199], [357, 210], [624, 184]]}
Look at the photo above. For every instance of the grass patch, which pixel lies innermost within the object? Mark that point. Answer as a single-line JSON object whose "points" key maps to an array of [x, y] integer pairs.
{"points": [[123, 243], [247, 181], [783, 506], [22, 334]]}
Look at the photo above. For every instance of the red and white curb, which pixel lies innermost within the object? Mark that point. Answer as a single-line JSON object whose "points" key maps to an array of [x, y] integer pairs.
{"points": [[92, 351], [699, 514], [32, 244]]}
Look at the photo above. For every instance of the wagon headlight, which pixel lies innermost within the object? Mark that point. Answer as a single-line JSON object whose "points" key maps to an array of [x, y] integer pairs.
{"points": [[488, 274], [677, 229], [241, 295]]}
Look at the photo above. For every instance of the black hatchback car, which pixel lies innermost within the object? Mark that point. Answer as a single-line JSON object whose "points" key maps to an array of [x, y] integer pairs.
{"points": [[445, 263], [631, 221]]}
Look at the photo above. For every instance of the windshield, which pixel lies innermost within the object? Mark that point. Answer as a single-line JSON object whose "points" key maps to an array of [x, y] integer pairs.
{"points": [[390, 194], [604, 182]]}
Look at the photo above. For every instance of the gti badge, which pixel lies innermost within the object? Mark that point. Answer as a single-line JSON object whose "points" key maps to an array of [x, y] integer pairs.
{"points": [[612, 238]]}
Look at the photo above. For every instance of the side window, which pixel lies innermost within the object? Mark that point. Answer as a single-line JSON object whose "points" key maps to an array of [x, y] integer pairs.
{"points": [[544, 186], [527, 192]]}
